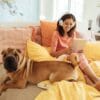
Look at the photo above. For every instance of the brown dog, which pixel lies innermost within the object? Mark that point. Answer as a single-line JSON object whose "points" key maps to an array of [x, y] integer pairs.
{"points": [[21, 70]]}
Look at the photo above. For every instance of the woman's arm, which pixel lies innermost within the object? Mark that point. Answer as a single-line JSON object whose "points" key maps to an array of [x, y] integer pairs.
{"points": [[60, 52]]}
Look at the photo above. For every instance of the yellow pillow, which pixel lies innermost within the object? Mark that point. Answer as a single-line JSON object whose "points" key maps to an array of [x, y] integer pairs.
{"points": [[37, 52], [92, 50]]}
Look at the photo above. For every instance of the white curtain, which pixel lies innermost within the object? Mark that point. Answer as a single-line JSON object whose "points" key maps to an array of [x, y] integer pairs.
{"points": [[53, 9]]}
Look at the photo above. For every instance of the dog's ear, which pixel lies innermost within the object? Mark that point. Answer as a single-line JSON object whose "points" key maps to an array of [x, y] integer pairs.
{"points": [[10, 49], [18, 50], [3, 52]]}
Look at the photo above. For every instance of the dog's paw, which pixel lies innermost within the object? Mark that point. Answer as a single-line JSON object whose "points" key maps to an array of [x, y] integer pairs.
{"points": [[0, 91], [44, 84], [1, 88]]}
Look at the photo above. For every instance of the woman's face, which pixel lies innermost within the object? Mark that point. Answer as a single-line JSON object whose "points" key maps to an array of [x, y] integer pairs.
{"points": [[68, 24]]}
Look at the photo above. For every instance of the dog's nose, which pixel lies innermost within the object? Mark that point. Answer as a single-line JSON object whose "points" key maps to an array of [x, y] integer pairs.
{"points": [[10, 63]]}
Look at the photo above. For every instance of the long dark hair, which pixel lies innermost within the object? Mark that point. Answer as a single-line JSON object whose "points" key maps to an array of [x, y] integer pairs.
{"points": [[63, 18]]}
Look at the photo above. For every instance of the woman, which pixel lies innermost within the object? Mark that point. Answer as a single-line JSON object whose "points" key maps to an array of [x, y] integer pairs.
{"points": [[61, 44]]}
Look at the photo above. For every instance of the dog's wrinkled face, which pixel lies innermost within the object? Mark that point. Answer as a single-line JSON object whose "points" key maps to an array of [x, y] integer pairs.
{"points": [[10, 59]]}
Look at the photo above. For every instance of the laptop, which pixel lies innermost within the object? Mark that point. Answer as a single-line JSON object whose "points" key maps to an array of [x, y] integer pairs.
{"points": [[78, 44]]}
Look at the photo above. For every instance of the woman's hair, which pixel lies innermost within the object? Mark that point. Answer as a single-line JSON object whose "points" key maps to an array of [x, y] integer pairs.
{"points": [[62, 19]]}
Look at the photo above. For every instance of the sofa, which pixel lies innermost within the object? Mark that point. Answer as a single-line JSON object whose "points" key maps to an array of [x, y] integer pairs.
{"points": [[34, 41]]}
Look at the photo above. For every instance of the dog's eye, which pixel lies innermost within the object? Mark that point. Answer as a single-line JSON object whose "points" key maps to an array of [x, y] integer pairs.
{"points": [[4, 55]]}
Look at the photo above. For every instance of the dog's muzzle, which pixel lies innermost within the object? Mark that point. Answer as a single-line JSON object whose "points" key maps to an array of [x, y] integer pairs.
{"points": [[10, 63]]}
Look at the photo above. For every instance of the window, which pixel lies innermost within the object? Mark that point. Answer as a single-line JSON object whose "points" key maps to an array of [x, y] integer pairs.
{"points": [[73, 6], [77, 8], [60, 7]]}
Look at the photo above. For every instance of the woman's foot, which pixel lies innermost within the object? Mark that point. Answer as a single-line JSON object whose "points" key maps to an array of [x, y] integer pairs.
{"points": [[88, 81], [97, 85]]}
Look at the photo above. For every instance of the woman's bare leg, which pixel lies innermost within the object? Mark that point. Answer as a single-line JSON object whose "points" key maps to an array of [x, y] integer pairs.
{"points": [[89, 82], [86, 68], [91, 74], [97, 85]]}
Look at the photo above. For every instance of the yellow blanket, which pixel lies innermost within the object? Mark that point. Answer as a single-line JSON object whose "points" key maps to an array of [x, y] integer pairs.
{"points": [[69, 91]]}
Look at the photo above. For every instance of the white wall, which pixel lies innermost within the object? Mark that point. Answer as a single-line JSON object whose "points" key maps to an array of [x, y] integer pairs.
{"points": [[90, 13], [46, 13], [29, 9]]}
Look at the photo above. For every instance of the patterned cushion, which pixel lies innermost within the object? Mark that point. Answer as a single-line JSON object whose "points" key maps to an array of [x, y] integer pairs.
{"points": [[47, 29]]}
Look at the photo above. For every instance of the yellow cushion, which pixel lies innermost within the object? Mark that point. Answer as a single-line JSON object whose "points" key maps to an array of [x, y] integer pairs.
{"points": [[37, 52], [92, 50]]}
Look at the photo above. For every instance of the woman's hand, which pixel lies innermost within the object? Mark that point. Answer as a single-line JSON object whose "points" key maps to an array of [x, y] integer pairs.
{"points": [[80, 51], [77, 51], [69, 50]]}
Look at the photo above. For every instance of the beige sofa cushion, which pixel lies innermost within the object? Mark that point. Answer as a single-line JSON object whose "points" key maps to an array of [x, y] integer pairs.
{"points": [[14, 37]]}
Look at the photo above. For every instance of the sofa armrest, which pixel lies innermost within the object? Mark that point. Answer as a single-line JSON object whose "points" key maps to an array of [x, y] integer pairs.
{"points": [[14, 38]]}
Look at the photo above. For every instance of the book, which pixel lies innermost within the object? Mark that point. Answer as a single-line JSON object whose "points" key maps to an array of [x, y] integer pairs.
{"points": [[78, 44]]}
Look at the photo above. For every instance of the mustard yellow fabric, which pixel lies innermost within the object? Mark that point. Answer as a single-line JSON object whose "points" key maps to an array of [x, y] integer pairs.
{"points": [[92, 50], [69, 91], [37, 52]]}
